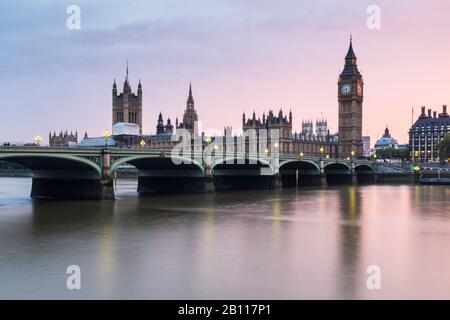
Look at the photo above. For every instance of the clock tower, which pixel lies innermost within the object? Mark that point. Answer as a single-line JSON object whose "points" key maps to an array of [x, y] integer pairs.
{"points": [[350, 97]]}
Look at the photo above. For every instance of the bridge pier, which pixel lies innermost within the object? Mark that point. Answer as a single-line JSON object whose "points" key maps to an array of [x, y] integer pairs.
{"points": [[79, 189]]}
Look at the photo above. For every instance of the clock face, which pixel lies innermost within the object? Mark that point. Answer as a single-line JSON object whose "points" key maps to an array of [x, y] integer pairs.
{"points": [[346, 89], [359, 89]]}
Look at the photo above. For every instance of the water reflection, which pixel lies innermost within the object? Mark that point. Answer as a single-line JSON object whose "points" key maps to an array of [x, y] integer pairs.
{"points": [[350, 237], [292, 244]]}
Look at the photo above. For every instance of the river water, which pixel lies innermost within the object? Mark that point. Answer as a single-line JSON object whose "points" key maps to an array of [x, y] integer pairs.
{"points": [[268, 244]]}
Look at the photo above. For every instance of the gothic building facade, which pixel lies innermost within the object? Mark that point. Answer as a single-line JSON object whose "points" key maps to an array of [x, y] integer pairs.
{"points": [[127, 106], [303, 143], [190, 116], [350, 98], [62, 139], [426, 132], [281, 123], [162, 128]]}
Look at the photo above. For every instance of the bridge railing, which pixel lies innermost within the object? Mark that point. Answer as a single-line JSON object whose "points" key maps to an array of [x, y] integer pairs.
{"points": [[167, 152]]}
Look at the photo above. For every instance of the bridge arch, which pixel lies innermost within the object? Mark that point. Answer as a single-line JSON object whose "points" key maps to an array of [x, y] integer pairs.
{"points": [[38, 162], [337, 166], [157, 161], [364, 168], [160, 174], [255, 161], [338, 173], [306, 164], [243, 173], [299, 172], [365, 173]]}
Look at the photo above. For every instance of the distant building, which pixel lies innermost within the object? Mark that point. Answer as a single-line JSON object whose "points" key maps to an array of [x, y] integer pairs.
{"points": [[62, 139], [281, 123], [386, 141], [321, 128], [96, 142], [366, 146], [127, 106], [190, 116], [425, 134], [307, 129], [305, 143], [122, 128], [128, 135], [162, 128]]}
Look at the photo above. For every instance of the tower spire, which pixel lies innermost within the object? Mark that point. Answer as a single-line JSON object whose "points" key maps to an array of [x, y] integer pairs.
{"points": [[350, 53], [190, 97], [127, 71]]}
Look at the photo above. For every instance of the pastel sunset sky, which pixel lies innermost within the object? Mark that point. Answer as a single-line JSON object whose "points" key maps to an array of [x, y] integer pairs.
{"points": [[241, 55]]}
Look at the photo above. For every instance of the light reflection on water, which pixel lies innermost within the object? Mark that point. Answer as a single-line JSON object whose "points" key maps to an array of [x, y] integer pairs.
{"points": [[311, 243]]}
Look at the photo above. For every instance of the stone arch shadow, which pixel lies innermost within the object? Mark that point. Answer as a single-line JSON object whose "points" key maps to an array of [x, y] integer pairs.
{"points": [[365, 174], [338, 173], [166, 174], [299, 173], [243, 173], [60, 176]]}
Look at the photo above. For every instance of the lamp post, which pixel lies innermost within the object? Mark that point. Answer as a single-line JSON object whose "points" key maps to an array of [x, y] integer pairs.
{"points": [[38, 140], [142, 143], [106, 135], [321, 152]]}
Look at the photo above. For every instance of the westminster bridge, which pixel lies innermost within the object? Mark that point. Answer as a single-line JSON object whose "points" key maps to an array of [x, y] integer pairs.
{"points": [[87, 173]]}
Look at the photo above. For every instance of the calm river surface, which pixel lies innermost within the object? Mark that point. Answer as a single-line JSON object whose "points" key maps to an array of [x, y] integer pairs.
{"points": [[279, 244]]}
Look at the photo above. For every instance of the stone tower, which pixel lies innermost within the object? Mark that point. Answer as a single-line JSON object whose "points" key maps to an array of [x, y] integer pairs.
{"points": [[127, 107], [350, 97], [190, 115]]}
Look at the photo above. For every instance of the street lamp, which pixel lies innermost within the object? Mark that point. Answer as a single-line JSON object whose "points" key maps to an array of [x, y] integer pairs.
{"points": [[142, 143], [106, 135], [38, 140], [327, 156], [353, 154], [276, 145], [208, 140], [321, 152], [301, 154]]}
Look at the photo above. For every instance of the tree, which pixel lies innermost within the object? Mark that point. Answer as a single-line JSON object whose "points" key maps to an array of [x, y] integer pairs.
{"points": [[392, 153], [444, 147]]}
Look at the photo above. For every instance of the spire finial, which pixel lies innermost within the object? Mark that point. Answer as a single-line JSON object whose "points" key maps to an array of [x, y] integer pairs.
{"points": [[127, 70]]}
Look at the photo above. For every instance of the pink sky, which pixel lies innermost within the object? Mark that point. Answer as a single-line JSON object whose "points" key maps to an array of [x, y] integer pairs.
{"points": [[239, 57]]}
